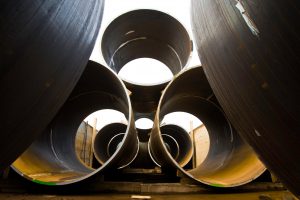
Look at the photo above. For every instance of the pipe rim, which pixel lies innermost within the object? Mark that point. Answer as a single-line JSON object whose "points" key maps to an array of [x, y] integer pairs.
{"points": [[154, 11]]}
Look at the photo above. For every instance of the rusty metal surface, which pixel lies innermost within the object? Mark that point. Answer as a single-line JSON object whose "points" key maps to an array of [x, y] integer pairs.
{"points": [[52, 159], [146, 33], [45, 46], [250, 52], [230, 161]]}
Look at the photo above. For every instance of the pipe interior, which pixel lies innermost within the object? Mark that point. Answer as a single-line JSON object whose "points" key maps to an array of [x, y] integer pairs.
{"points": [[146, 34], [106, 140], [230, 161], [179, 143], [52, 158]]}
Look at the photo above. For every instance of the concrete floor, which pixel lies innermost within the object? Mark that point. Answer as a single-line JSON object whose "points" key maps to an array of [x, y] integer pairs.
{"points": [[282, 195]]}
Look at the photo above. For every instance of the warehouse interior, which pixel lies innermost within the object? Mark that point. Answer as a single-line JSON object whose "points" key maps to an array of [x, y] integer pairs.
{"points": [[143, 99]]}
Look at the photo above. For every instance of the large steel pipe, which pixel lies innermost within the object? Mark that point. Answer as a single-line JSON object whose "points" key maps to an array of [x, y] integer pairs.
{"points": [[146, 33], [52, 158], [230, 161], [250, 53], [45, 46], [178, 143]]}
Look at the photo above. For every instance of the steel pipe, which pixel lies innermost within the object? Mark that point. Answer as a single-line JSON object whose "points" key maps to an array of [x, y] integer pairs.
{"points": [[230, 161], [45, 46], [250, 53], [146, 33], [108, 140], [177, 142], [52, 159]]}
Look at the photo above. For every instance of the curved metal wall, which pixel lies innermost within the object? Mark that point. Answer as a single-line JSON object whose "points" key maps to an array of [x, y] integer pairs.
{"points": [[52, 159], [250, 53], [146, 33], [230, 161], [45, 46]]}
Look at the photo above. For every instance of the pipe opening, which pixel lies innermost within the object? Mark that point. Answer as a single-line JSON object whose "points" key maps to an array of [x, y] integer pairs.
{"points": [[144, 71], [52, 158], [196, 139], [229, 161], [88, 131], [108, 140], [144, 123], [146, 34]]}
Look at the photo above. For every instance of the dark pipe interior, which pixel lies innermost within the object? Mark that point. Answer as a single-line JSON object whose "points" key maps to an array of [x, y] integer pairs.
{"points": [[179, 142], [106, 136], [143, 159]]}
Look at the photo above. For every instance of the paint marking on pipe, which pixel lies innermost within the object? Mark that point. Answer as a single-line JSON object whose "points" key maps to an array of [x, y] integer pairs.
{"points": [[216, 185], [250, 23], [257, 133], [129, 32], [42, 182], [140, 197]]}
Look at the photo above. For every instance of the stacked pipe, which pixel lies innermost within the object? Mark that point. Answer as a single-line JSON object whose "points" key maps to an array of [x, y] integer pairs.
{"points": [[148, 33], [230, 162], [250, 53], [151, 34]]}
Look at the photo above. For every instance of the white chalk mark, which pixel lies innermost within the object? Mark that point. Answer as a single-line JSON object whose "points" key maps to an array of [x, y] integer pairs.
{"points": [[253, 28]]}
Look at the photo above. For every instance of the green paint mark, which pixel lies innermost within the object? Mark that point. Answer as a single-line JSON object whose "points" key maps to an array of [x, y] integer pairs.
{"points": [[216, 185], [43, 183]]}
